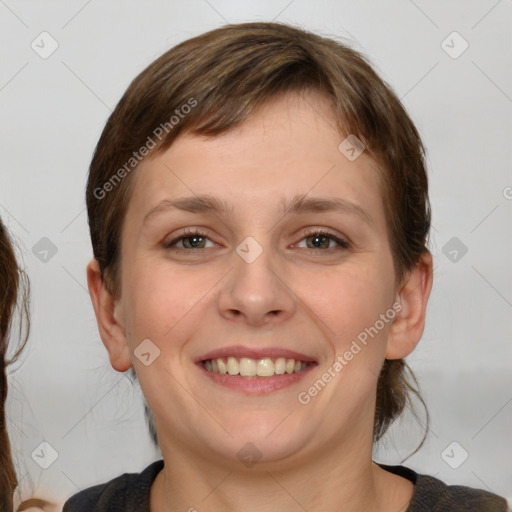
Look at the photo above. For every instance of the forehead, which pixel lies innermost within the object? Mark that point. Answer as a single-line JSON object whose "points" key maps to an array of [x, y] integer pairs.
{"points": [[287, 148]]}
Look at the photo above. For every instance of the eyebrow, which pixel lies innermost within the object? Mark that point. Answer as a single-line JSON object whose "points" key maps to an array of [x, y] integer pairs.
{"points": [[297, 205]]}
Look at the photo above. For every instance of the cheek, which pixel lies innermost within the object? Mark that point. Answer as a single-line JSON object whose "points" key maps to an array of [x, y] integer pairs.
{"points": [[348, 299], [162, 300], [166, 303]]}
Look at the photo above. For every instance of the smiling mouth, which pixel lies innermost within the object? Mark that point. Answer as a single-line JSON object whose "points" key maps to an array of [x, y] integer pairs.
{"points": [[246, 367]]}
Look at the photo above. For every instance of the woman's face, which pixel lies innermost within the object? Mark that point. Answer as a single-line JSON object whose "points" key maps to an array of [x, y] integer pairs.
{"points": [[260, 282]]}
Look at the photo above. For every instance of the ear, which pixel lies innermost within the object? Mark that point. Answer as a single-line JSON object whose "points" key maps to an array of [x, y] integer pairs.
{"points": [[409, 323], [109, 318]]}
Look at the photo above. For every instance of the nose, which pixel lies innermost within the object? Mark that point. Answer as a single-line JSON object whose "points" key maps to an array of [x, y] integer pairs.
{"points": [[256, 291]]}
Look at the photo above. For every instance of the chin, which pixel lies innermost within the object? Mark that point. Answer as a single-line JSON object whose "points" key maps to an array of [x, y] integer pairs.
{"points": [[258, 440]]}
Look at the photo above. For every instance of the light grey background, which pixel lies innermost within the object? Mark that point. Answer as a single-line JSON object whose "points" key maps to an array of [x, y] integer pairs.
{"points": [[53, 110]]}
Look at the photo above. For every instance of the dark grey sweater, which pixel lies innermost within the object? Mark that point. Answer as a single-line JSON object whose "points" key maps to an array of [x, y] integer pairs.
{"points": [[130, 493]]}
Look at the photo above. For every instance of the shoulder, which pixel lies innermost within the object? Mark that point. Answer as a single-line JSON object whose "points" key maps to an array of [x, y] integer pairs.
{"points": [[455, 498], [128, 493], [431, 494]]}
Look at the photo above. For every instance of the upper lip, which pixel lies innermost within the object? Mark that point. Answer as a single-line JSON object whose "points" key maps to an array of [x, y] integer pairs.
{"points": [[240, 351]]}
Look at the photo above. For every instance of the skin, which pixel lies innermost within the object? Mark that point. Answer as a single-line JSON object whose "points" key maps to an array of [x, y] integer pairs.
{"points": [[313, 300], [39, 505]]}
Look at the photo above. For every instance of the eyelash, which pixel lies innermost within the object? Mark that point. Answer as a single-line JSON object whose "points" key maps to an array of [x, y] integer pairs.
{"points": [[342, 244]]}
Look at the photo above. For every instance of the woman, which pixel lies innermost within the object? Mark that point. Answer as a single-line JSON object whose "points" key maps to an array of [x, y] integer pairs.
{"points": [[13, 280], [259, 214], [14, 301]]}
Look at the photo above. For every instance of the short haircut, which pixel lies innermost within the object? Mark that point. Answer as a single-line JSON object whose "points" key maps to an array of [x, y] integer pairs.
{"points": [[210, 84]]}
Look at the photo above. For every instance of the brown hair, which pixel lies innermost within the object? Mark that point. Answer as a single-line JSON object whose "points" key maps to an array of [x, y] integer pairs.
{"points": [[224, 75], [13, 281]]}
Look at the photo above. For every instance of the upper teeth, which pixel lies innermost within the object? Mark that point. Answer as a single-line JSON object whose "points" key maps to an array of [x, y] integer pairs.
{"points": [[247, 367]]}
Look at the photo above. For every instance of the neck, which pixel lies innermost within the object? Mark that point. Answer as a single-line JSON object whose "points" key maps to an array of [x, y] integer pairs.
{"points": [[341, 477]]}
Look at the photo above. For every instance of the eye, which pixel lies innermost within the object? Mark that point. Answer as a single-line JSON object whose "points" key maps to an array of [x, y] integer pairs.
{"points": [[320, 239], [191, 239]]}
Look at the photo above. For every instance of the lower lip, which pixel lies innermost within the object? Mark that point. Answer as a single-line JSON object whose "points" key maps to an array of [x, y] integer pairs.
{"points": [[256, 386]]}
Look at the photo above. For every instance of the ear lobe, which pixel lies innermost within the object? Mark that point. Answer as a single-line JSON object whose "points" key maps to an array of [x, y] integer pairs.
{"points": [[408, 325], [111, 327]]}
